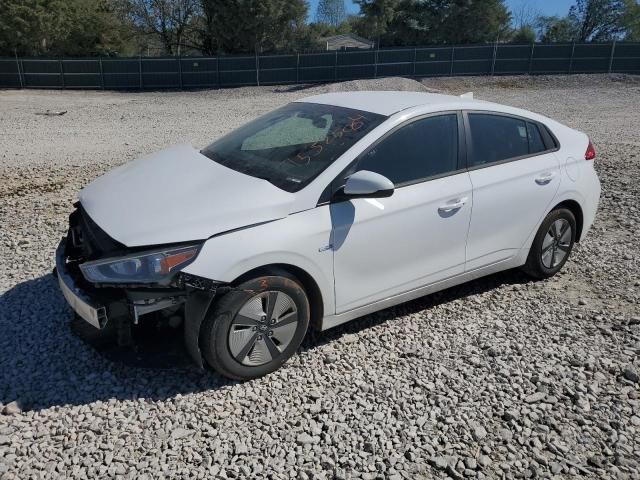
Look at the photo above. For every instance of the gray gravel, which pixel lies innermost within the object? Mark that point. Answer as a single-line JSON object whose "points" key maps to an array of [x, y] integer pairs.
{"points": [[500, 378]]}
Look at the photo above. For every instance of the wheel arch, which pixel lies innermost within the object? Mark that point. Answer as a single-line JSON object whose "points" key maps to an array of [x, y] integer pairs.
{"points": [[575, 208], [314, 294]]}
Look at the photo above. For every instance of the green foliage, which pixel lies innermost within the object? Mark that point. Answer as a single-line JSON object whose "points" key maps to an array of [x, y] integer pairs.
{"points": [[475, 21], [375, 17], [593, 21], [631, 20], [309, 37], [524, 34], [125, 27], [331, 12], [61, 27], [597, 20], [172, 22], [557, 29], [242, 26], [414, 22]]}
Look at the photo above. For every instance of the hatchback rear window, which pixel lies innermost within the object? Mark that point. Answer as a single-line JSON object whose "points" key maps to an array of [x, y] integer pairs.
{"points": [[291, 146]]}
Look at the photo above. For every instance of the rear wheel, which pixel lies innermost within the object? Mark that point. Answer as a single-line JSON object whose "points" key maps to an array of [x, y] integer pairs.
{"points": [[552, 244], [256, 327]]}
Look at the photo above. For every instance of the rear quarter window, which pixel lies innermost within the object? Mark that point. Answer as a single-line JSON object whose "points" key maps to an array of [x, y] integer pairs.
{"points": [[550, 141], [536, 143]]}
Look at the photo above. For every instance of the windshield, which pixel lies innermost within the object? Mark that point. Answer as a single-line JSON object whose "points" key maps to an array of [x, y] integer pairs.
{"points": [[292, 145]]}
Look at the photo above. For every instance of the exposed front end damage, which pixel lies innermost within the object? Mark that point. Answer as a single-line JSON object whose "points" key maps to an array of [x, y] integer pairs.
{"points": [[115, 310]]}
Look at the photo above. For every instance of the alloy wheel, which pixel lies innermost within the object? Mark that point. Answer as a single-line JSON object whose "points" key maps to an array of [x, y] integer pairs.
{"points": [[263, 328], [556, 243]]}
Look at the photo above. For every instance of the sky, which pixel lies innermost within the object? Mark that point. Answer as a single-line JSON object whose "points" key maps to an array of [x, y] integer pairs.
{"points": [[544, 7]]}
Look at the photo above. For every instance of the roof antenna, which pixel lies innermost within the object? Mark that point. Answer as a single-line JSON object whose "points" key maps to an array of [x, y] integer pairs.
{"points": [[468, 95]]}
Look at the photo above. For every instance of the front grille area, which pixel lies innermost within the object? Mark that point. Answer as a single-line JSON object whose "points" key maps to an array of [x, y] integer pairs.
{"points": [[87, 240]]}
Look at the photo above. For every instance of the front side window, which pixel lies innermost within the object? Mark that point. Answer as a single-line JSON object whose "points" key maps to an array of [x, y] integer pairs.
{"points": [[422, 149], [291, 146]]}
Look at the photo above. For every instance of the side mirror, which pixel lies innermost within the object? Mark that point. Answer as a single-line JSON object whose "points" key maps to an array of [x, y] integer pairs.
{"points": [[366, 184]]}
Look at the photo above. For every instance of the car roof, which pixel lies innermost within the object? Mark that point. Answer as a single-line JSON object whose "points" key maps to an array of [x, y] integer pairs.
{"points": [[387, 103]]}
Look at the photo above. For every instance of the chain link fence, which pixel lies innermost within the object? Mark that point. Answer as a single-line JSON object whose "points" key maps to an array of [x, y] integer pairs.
{"points": [[230, 71]]}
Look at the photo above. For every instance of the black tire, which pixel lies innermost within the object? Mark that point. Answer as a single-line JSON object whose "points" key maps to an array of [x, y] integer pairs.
{"points": [[539, 267], [219, 326]]}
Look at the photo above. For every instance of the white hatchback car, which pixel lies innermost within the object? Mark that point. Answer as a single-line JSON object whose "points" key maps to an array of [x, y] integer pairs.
{"points": [[320, 212]]}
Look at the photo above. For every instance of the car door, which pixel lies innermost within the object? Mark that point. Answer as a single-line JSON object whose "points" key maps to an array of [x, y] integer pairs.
{"points": [[515, 176], [387, 246]]}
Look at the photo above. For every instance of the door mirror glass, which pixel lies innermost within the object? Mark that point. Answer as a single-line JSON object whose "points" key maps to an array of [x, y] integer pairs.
{"points": [[366, 184]]}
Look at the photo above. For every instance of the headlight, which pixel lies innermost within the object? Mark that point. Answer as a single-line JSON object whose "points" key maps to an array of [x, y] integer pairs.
{"points": [[145, 267]]}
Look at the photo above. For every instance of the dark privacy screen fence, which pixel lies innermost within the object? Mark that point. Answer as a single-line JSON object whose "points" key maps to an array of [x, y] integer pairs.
{"points": [[229, 71]]}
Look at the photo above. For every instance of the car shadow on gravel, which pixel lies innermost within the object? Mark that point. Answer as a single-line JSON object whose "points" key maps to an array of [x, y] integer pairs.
{"points": [[44, 364], [475, 287]]}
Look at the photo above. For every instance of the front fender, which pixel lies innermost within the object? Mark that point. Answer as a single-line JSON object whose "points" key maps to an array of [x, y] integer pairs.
{"points": [[299, 240]]}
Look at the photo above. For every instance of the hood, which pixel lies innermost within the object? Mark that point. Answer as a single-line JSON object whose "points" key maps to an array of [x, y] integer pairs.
{"points": [[179, 195]]}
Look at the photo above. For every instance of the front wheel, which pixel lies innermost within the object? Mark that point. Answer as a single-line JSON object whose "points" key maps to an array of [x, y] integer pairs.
{"points": [[552, 244], [256, 327]]}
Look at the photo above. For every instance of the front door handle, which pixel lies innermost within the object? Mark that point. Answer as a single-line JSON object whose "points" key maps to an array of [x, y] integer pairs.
{"points": [[453, 205], [545, 178]]}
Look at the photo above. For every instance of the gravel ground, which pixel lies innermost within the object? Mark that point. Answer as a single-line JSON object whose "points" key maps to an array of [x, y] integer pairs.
{"points": [[502, 377]]}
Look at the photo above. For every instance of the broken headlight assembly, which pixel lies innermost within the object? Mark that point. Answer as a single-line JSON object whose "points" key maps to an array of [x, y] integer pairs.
{"points": [[156, 266]]}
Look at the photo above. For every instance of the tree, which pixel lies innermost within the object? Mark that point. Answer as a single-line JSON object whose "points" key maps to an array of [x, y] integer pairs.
{"points": [[376, 15], [61, 27], [241, 26], [172, 21], [524, 34], [592, 21], [415, 22], [631, 20], [524, 16], [310, 37], [597, 20], [556, 29], [524, 19], [331, 12], [475, 21]]}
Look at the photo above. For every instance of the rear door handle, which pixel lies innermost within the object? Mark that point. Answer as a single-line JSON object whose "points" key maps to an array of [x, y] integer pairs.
{"points": [[453, 205], [545, 178]]}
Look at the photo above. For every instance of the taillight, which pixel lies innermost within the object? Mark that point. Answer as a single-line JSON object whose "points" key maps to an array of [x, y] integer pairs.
{"points": [[590, 154]]}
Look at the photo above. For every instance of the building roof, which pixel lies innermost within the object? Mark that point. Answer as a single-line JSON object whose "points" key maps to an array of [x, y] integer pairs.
{"points": [[346, 40], [388, 103]]}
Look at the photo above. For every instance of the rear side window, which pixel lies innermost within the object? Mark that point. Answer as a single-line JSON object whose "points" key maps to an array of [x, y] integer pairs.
{"points": [[423, 148], [495, 138]]}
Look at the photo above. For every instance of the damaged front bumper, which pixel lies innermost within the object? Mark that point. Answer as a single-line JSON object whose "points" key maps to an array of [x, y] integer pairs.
{"points": [[86, 307], [121, 307]]}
